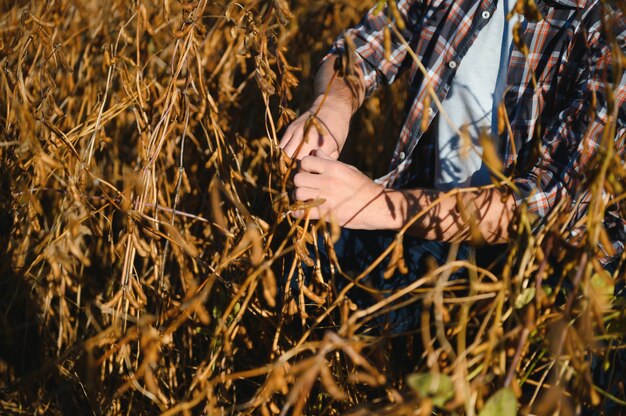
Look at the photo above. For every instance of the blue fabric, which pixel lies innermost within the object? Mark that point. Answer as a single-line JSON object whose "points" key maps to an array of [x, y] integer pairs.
{"points": [[356, 250]]}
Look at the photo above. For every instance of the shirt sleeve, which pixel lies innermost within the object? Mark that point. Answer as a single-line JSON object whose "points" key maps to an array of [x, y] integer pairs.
{"points": [[593, 122], [368, 38]]}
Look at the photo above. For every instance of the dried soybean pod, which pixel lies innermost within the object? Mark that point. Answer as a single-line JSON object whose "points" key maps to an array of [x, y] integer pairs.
{"points": [[189, 6], [380, 5], [348, 65], [139, 293], [269, 287], [106, 57], [501, 117], [531, 11], [335, 230], [183, 32], [329, 383], [606, 242], [518, 40], [62, 59], [216, 204], [312, 296], [283, 12], [318, 126], [177, 237], [387, 43], [396, 15], [402, 267], [142, 248], [303, 253], [264, 85], [490, 155], [466, 141], [426, 113], [332, 255], [392, 266], [256, 242], [396, 262]]}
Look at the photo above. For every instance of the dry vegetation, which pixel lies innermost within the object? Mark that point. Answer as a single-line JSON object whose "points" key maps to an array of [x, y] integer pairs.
{"points": [[143, 235]]}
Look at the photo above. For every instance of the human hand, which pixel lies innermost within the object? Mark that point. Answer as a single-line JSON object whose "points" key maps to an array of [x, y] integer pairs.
{"points": [[333, 120], [353, 199]]}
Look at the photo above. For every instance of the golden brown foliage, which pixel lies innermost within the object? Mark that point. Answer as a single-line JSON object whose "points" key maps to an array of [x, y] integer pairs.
{"points": [[143, 233]]}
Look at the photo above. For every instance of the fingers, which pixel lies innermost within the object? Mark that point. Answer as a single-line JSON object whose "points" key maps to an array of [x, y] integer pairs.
{"points": [[298, 143], [287, 136], [314, 214], [293, 138], [307, 186], [289, 142], [320, 162], [294, 141], [305, 194], [306, 180]]}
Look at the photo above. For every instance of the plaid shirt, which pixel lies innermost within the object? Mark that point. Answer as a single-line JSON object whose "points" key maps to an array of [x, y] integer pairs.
{"points": [[564, 88]]}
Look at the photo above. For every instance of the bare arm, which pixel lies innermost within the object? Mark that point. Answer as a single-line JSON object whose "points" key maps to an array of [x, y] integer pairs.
{"points": [[334, 104], [480, 215], [355, 201], [340, 92]]}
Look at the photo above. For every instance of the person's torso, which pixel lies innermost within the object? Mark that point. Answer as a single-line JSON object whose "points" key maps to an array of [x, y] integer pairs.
{"points": [[468, 114], [543, 66]]}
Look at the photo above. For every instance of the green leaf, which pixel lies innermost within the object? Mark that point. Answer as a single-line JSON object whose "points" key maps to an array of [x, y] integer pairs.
{"points": [[525, 297], [438, 387], [603, 284], [502, 403], [547, 289]]}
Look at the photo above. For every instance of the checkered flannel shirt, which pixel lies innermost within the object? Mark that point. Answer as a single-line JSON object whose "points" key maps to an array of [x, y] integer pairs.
{"points": [[564, 96]]}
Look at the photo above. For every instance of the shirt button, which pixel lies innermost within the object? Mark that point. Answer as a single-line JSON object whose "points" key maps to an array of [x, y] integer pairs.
{"points": [[452, 64], [401, 155], [486, 15]]}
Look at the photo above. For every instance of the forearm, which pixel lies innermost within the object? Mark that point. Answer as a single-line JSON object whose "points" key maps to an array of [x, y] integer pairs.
{"points": [[352, 199], [336, 99], [339, 93], [480, 215]]}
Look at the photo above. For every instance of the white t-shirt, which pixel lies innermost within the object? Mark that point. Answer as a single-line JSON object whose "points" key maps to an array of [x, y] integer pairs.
{"points": [[472, 101]]}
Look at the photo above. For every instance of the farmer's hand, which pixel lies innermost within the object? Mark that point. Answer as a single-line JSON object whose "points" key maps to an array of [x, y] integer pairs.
{"points": [[353, 199], [333, 120]]}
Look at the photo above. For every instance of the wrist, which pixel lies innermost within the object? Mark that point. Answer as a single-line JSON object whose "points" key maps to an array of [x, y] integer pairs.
{"points": [[333, 105], [386, 211], [335, 120], [395, 208]]}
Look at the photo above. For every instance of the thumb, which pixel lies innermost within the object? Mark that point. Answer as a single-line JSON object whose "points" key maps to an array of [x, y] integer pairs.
{"points": [[323, 155]]}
